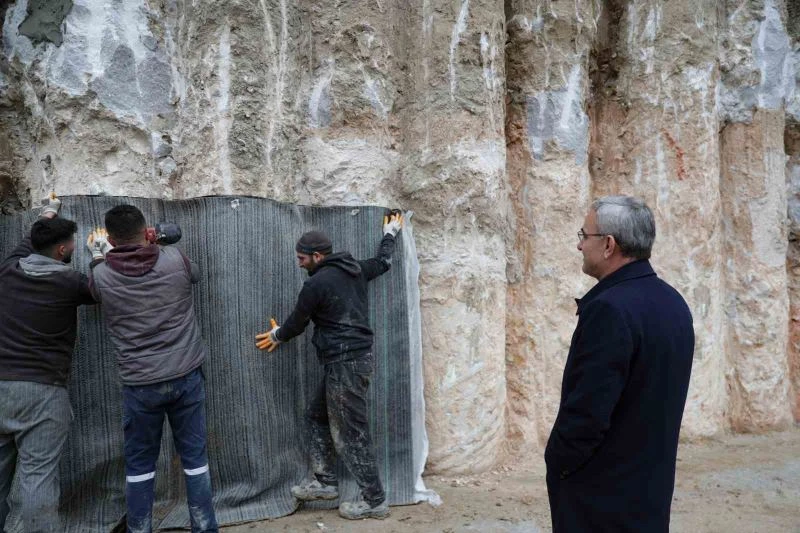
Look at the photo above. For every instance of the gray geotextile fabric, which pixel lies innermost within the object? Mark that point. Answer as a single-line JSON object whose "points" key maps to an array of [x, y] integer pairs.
{"points": [[245, 250]]}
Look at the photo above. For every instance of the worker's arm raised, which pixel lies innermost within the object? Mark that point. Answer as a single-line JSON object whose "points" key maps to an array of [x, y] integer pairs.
{"points": [[52, 206], [25, 248], [380, 264]]}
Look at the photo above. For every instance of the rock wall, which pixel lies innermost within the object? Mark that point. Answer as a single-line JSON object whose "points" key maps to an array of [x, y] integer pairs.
{"points": [[792, 143], [655, 134], [496, 123]]}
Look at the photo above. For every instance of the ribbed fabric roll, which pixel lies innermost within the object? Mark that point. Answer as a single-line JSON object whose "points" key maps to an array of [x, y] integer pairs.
{"points": [[245, 248]]}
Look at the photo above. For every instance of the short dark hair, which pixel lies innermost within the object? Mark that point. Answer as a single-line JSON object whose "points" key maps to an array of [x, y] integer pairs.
{"points": [[47, 233], [124, 222]]}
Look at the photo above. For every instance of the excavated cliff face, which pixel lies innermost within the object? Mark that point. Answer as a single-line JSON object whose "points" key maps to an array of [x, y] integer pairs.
{"points": [[496, 123], [547, 130]]}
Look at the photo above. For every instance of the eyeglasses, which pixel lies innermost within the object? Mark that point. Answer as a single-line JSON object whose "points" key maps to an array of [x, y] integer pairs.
{"points": [[582, 236]]}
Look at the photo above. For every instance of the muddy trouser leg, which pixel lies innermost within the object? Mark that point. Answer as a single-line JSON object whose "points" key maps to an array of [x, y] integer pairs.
{"points": [[318, 436], [142, 423], [187, 418], [347, 384]]}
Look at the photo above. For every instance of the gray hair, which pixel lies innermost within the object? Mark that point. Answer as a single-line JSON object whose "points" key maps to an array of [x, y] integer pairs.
{"points": [[629, 221]]}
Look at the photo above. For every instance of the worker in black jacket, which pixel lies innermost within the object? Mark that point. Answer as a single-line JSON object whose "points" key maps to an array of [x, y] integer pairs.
{"points": [[335, 299], [38, 326]]}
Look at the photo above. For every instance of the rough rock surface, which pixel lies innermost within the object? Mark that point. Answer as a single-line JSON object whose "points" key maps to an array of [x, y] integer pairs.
{"points": [[792, 143], [655, 134], [496, 122], [547, 132]]}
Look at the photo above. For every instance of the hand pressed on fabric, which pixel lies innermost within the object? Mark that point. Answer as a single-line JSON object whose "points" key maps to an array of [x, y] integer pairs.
{"points": [[392, 224], [98, 244], [267, 340], [51, 206]]}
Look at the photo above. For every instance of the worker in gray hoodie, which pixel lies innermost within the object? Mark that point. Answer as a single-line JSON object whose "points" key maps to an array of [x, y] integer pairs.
{"points": [[38, 327], [146, 293]]}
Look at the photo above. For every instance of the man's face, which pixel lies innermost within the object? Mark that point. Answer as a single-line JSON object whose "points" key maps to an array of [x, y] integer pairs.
{"points": [[308, 262], [592, 246], [66, 250]]}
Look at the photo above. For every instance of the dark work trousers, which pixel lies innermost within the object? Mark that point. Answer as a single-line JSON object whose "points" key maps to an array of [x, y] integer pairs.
{"points": [[34, 423], [337, 423], [182, 400]]}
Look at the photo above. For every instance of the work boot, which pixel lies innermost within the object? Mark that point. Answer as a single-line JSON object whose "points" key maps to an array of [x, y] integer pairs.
{"points": [[309, 491], [361, 509]]}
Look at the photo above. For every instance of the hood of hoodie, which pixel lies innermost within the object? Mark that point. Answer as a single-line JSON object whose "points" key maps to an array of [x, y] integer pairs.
{"points": [[133, 260], [39, 265], [343, 261]]}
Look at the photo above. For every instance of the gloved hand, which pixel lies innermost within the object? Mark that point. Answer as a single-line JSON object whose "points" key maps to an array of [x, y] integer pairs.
{"points": [[267, 340], [392, 224], [52, 205], [98, 244]]}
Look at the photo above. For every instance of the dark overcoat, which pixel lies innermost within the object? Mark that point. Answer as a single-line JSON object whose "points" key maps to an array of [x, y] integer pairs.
{"points": [[612, 451]]}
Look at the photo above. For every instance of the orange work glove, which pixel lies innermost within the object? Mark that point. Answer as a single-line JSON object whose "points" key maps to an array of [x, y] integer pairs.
{"points": [[267, 340]]}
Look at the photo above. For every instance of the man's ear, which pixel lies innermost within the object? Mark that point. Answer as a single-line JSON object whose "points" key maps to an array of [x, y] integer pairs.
{"points": [[611, 246], [111, 241], [61, 250]]}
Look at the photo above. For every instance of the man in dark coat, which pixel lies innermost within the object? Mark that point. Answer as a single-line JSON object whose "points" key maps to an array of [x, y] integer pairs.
{"points": [[337, 418], [38, 327], [611, 454]]}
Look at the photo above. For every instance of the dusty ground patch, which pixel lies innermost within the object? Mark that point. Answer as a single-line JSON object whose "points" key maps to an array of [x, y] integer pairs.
{"points": [[739, 484]]}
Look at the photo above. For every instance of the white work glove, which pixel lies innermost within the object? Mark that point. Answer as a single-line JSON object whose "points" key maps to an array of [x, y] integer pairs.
{"points": [[98, 244], [392, 224], [51, 206]]}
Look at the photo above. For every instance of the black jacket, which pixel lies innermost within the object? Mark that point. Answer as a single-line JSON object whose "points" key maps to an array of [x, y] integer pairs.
{"points": [[611, 455], [38, 320], [335, 298]]}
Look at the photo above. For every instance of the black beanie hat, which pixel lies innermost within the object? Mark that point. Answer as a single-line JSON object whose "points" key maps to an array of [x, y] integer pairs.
{"points": [[314, 241]]}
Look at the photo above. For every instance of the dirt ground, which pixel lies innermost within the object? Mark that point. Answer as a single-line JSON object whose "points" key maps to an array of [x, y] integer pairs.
{"points": [[738, 484]]}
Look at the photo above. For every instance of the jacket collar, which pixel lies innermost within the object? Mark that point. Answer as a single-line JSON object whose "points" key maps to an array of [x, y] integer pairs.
{"points": [[637, 269], [37, 265], [133, 260]]}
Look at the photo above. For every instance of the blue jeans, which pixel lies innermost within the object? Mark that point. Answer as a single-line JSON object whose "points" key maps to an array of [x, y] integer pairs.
{"points": [[182, 400]]}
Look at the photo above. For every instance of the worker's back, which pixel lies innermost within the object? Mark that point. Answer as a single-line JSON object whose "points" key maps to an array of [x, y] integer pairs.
{"points": [[146, 293]]}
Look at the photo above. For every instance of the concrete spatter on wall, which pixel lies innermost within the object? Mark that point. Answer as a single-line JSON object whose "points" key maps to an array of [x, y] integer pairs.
{"points": [[756, 58], [654, 134], [754, 212], [496, 122], [44, 20], [350, 153], [754, 200], [547, 131], [453, 173], [94, 101], [792, 144]]}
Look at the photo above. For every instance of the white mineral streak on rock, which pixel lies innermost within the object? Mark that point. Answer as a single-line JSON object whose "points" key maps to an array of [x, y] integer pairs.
{"points": [[319, 104], [277, 58], [458, 28], [222, 126]]}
